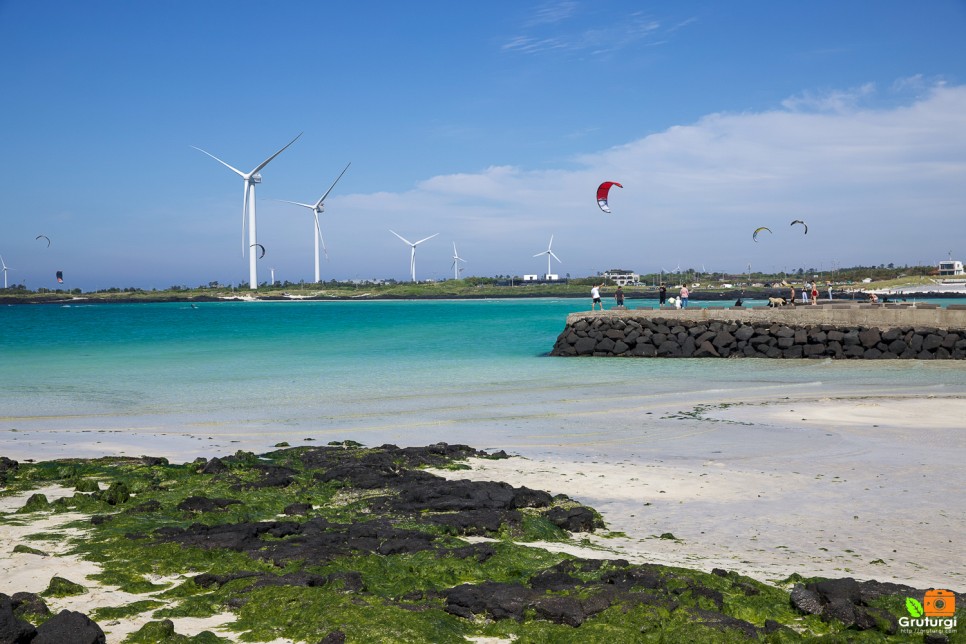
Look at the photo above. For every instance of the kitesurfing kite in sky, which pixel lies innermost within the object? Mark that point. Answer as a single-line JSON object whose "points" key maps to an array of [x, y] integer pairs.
{"points": [[799, 221], [602, 191], [754, 235], [60, 277], [44, 237], [263, 250]]}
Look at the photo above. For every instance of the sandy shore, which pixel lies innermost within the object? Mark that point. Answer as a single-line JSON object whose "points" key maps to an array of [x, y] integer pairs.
{"points": [[838, 488], [867, 487], [52, 535]]}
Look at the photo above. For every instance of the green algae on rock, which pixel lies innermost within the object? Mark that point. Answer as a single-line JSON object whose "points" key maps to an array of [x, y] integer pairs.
{"points": [[305, 542]]}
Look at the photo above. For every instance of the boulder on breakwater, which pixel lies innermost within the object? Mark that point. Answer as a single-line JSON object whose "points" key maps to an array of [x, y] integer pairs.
{"points": [[841, 332]]}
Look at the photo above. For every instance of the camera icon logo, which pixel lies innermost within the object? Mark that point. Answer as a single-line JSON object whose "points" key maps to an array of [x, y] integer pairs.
{"points": [[939, 603]]}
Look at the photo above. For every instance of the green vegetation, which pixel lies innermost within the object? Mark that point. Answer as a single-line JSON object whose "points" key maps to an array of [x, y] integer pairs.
{"points": [[288, 586], [501, 286]]}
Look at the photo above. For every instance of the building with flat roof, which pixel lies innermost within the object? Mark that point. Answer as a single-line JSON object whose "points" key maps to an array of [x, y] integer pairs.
{"points": [[622, 277], [951, 268]]}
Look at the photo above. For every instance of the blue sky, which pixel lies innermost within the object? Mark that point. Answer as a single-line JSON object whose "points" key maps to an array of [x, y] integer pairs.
{"points": [[490, 123]]}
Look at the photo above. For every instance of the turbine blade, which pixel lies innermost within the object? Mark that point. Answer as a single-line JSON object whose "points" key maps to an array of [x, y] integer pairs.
{"points": [[318, 229], [322, 198], [235, 170], [297, 203], [269, 159], [539, 254], [555, 257], [424, 239], [400, 236], [550, 245]]}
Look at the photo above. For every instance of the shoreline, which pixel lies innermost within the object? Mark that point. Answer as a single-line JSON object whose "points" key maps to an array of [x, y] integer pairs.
{"points": [[842, 295], [814, 485]]}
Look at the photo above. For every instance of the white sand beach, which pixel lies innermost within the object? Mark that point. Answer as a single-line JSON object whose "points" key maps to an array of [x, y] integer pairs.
{"points": [[845, 489], [52, 535], [819, 485]]}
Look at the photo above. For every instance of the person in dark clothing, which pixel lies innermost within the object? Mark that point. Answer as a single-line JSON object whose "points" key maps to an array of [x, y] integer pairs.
{"points": [[663, 294], [619, 296]]}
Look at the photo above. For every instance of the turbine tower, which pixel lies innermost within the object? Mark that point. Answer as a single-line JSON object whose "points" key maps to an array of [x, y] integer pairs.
{"points": [[456, 263], [5, 269], [317, 209], [248, 207], [412, 253], [549, 254]]}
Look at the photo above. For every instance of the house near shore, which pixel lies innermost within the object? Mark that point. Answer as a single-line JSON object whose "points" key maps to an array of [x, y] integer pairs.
{"points": [[622, 277], [951, 268]]}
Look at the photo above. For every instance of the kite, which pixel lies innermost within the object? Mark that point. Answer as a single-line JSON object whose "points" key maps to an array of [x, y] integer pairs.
{"points": [[260, 246], [44, 237], [799, 221], [602, 191], [60, 277], [754, 235]]}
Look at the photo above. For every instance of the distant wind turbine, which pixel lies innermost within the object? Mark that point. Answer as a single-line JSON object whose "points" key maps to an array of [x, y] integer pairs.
{"points": [[248, 207], [456, 263], [5, 269], [549, 254], [317, 209], [412, 254]]}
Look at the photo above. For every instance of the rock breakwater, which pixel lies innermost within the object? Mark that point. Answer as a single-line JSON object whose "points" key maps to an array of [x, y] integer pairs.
{"points": [[722, 334]]}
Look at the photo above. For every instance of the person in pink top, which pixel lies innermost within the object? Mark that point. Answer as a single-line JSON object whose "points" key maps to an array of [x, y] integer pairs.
{"points": [[684, 296]]}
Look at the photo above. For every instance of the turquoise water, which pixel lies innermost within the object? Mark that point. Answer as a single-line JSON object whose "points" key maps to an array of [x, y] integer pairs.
{"points": [[409, 372]]}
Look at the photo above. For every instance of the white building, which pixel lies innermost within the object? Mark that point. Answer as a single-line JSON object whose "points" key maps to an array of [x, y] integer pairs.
{"points": [[621, 277], [951, 268], [530, 278]]}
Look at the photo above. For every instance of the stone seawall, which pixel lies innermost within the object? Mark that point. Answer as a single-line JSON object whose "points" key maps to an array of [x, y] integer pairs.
{"points": [[840, 332]]}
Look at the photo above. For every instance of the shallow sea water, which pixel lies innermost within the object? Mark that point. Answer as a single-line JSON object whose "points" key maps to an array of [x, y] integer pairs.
{"points": [[252, 374]]}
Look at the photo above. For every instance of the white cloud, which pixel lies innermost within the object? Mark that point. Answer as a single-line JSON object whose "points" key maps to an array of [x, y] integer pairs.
{"points": [[559, 27], [874, 185]]}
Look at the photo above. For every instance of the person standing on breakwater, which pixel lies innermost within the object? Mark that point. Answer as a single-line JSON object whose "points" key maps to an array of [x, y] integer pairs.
{"points": [[684, 296], [595, 297], [805, 291], [828, 284], [619, 296], [663, 294], [814, 292], [791, 294]]}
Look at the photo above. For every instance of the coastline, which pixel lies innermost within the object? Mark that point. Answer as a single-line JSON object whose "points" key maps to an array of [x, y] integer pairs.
{"points": [[813, 485]]}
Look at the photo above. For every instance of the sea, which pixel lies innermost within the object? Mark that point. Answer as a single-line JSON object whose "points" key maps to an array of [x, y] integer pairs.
{"points": [[184, 380]]}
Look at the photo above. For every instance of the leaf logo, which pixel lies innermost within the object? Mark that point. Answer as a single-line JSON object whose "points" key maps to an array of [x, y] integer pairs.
{"points": [[914, 607]]}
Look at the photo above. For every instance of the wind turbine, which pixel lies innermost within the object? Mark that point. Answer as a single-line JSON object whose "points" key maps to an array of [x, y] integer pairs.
{"points": [[7, 268], [248, 207], [549, 254], [317, 209], [412, 254], [456, 263]]}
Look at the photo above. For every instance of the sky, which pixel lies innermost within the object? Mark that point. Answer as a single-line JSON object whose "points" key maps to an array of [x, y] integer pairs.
{"points": [[490, 124]]}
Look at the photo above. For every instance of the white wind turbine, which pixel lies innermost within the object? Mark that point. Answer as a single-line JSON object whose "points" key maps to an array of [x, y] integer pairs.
{"points": [[5, 269], [456, 263], [412, 254], [248, 207], [549, 254], [317, 209]]}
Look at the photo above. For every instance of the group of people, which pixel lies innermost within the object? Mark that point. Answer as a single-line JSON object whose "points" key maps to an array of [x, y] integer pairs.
{"points": [[810, 292], [683, 296]]}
